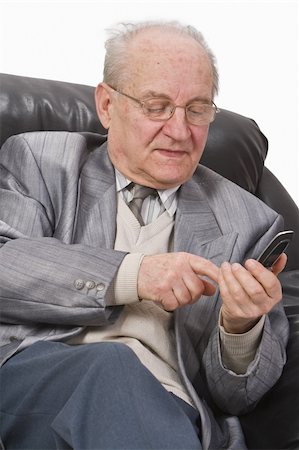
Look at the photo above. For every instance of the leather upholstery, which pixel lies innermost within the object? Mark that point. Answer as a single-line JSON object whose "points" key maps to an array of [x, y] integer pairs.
{"points": [[237, 149]]}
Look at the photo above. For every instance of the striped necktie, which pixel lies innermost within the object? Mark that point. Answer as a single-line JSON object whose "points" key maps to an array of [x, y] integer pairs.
{"points": [[139, 194]]}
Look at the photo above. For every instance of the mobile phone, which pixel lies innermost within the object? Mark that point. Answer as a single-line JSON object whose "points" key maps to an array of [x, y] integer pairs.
{"points": [[276, 247]]}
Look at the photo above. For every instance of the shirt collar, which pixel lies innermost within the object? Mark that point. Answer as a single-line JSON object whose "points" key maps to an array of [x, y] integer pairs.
{"points": [[165, 194]]}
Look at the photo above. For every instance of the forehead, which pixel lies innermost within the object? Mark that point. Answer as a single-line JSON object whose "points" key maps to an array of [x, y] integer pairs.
{"points": [[165, 61]]}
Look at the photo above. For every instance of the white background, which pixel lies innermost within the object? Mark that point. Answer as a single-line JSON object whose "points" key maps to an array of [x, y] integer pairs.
{"points": [[255, 42]]}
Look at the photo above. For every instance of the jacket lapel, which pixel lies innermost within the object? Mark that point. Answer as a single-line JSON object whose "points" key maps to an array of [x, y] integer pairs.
{"points": [[196, 226], [96, 211]]}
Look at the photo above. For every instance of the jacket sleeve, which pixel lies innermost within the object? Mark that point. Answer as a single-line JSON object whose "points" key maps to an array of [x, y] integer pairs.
{"points": [[45, 278], [237, 394]]}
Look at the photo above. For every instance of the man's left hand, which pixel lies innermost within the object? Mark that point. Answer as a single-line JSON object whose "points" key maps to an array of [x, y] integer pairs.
{"points": [[248, 293]]}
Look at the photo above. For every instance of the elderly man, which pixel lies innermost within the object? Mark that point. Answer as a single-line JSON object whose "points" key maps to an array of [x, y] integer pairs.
{"points": [[134, 313]]}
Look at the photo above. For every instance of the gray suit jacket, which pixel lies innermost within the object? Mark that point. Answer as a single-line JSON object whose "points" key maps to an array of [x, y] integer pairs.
{"points": [[57, 230]]}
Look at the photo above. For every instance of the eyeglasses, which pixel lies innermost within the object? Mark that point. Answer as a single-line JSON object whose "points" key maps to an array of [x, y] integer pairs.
{"points": [[155, 108]]}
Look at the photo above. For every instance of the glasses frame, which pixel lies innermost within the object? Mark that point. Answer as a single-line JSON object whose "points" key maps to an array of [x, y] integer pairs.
{"points": [[142, 104]]}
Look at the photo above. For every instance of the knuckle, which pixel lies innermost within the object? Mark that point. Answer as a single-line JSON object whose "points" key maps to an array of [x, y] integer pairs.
{"points": [[187, 298], [168, 304], [237, 293], [257, 291], [164, 285]]}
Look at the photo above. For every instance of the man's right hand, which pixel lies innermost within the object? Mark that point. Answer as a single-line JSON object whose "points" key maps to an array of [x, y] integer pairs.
{"points": [[175, 279]]}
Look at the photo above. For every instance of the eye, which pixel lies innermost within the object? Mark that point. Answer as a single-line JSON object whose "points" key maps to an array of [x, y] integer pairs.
{"points": [[155, 106], [197, 109]]}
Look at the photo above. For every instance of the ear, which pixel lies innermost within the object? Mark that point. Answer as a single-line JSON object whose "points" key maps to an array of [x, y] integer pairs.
{"points": [[103, 104]]}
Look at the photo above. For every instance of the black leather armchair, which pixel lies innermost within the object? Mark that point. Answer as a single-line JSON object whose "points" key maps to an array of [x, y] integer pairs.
{"points": [[237, 149]]}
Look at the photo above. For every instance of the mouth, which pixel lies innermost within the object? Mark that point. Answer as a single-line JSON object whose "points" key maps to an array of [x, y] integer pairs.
{"points": [[170, 153]]}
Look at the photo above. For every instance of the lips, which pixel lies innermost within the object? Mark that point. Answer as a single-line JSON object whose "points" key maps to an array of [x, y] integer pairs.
{"points": [[171, 152]]}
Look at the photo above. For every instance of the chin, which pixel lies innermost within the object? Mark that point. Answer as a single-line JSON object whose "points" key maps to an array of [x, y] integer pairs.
{"points": [[173, 179], [168, 183]]}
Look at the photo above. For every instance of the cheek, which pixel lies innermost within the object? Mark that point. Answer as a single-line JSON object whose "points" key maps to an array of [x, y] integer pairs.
{"points": [[144, 131], [128, 142], [133, 130]]}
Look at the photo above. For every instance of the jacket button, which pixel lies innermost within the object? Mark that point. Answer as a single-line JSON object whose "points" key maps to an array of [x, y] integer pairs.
{"points": [[90, 284], [100, 287], [79, 284]]}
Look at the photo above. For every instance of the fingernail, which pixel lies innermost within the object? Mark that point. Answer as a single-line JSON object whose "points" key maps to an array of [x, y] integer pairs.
{"points": [[251, 264], [236, 266]]}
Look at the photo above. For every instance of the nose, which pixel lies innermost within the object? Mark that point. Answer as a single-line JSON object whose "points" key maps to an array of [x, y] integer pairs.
{"points": [[177, 126]]}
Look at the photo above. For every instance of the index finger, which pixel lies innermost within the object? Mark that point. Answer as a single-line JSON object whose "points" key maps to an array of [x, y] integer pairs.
{"points": [[202, 266]]}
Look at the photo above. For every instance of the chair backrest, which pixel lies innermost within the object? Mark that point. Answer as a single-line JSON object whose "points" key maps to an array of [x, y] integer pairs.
{"points": [[236, 148]]}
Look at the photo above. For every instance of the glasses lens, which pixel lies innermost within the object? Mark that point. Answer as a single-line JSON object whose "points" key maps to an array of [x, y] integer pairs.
{"points": [[157, 108], [161, 109], [198, 114]]}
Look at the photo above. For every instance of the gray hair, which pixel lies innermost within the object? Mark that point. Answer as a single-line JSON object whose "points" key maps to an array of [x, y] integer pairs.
{"points": [[116, 63]]}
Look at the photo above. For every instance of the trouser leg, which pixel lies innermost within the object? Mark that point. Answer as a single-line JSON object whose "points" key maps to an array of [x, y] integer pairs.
{"points": [[97, 396]]}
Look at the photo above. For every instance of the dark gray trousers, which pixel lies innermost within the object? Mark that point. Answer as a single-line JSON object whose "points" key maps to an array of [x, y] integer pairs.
{"points": [[95, 396]]}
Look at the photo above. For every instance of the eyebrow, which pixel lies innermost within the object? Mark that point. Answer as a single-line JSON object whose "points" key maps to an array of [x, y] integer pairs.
{"points": [[155, 94]]}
